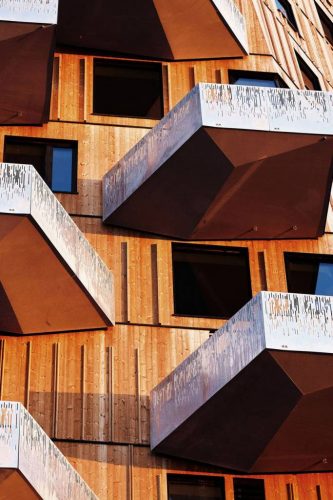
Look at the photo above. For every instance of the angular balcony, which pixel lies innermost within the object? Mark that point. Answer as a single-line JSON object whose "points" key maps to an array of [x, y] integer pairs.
{"points": [[257, 395], [155, 28], [31, 466], [51, 279], [229, 162]]}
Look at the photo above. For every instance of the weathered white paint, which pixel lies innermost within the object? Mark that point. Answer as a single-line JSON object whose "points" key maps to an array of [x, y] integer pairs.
{"points": [[29, 11], [271, 320], [26, 447], [23, 191], [219, 106], [234, 19]]}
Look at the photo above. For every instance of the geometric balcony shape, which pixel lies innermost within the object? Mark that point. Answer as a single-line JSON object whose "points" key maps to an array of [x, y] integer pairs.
{"points": [[31, 466], [155, 28], [229, 162], [257, 396], [51, 278], [26, 52]]}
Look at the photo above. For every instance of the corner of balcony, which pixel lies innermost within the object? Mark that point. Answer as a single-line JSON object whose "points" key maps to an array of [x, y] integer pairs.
{"points": [[257, 395], [31, 466], [51, 279], [229, 162]]}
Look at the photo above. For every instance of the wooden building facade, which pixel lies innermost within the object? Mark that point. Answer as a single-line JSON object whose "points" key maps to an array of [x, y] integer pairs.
{"points": [[90, 389]]}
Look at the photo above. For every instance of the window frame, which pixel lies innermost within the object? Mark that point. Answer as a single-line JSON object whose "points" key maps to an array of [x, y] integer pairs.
{"points": [[192, 479], [325, 21], [304, 68], [132, 64], [312, 257], [207, 249], [287, 13], [247, 480], [49, 145], [233, 74]]}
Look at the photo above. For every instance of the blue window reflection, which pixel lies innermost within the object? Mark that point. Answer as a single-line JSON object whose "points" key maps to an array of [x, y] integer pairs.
{"points": [[324, 285], [62, 169]]}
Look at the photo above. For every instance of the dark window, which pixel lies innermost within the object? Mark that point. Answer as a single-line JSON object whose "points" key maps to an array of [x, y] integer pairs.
{"points": [[55, 161], [311, 81], [249, 489], [195, 488], [128, 89], [309, 273], [286, 9], [255, 79], [326, 24], [210, 281]]}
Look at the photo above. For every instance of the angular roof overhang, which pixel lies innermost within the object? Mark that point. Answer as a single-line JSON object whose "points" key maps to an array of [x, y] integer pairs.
{"points": [[257, 395], [51, 279], [26, 52], [155, 28], [31, 466], [229, 162]]}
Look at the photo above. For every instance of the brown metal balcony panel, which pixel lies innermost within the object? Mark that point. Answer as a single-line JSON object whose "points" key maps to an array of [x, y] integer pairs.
{"points": [[31, 466], [26, 52], [229, 162], [257, 396], [51, 279], [155, 28]]}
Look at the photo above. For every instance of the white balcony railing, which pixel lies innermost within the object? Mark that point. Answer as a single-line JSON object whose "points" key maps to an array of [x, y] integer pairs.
{"points": [[218, 106], [25, 447], [271, 320], [29, 11], [23, 192]]}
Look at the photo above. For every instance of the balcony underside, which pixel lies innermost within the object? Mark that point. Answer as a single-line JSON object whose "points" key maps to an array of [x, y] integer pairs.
{"points": [[275, 416], [38, 292], [13, 485], [26, 52], [51, 279], [152, 28], [257, 396], [235, 184]]}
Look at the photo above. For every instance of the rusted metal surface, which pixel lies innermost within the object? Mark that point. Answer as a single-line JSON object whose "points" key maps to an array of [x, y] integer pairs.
{"points": [[279, 189], [23, 192], [151, 152], [25, 446], [287, 322], [235, 20], [29, 11], [219, 106]]}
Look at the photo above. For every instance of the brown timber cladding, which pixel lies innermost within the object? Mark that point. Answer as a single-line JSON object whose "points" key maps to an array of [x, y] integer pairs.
{"points": [[90, 390]]}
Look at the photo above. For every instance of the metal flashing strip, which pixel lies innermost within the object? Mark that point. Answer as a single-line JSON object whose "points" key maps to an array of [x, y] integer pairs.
{"points": [[26, 447], [271, 320]]}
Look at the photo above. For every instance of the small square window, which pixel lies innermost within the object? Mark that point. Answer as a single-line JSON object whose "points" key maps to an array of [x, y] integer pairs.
{"points": [[210, 281], [249, 489], [55, 161], [286, 9], [195, 487], [256, 79], [311, 81], [129, 89], [309, 273], [326, 24]]}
